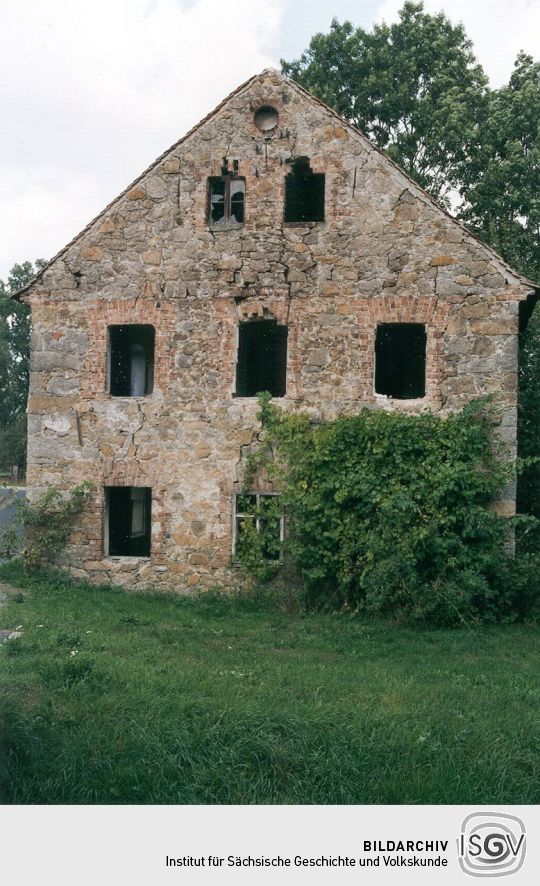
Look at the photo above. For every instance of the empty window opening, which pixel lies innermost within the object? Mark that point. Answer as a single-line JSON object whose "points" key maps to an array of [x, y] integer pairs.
{"points": [[266, 118], [258, 518], [304, 193], [400, 360], [127, 519], [262, 359], [131, 360], [227, 197]]}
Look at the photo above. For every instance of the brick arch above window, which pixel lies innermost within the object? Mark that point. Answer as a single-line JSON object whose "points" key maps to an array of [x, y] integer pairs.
{"points": [[134, 473], [271, 307], [104, 313], [430, 311]]}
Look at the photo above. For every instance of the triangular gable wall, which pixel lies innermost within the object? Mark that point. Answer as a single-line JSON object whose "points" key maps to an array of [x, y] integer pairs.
{"points": [[512, 277]]}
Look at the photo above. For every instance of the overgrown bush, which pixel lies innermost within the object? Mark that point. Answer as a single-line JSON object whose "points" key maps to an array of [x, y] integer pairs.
{"points": [[41, 528], [390, 514]]}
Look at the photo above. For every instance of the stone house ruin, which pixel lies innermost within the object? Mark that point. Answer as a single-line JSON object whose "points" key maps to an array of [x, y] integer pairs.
{"points": [[272, 248]]}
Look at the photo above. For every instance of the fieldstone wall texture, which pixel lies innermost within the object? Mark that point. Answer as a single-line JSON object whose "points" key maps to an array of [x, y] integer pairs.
{"points": [[385, 253]]}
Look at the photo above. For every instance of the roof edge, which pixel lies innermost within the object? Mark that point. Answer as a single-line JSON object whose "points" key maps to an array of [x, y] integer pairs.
{"points": [[517, 274], [373, 147], [16, 295]]}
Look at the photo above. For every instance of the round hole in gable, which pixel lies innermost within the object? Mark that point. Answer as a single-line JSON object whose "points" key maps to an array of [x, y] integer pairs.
{"points": [[266, 118]]}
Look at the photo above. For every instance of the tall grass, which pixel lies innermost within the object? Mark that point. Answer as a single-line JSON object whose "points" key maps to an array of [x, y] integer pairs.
{"points": [[111, 697]]}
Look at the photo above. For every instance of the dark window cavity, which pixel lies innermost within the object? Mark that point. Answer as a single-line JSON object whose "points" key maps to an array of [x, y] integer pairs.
{"points": [[400, 360], [262, 359], [226, 196], [128, 515], [131, 360], [304, 193], [260, 514]]}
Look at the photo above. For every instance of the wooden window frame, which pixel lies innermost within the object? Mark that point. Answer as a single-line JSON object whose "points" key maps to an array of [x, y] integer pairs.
{"points": [[228, 221], [240, 515], [146, 499]]}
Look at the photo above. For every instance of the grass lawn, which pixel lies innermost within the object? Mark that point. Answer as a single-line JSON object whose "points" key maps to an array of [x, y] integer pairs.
{"points": [[116, 698]]}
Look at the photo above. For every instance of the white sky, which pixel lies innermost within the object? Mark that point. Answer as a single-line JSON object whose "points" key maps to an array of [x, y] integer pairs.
{"points": [[93, 90]]}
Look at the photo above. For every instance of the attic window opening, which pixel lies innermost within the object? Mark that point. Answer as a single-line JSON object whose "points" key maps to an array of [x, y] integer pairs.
{"points": [[128, 511], [130, 360], [266, 118], [258, 512], [304, 193], [226, 201], [262, 359], [400, 360]]}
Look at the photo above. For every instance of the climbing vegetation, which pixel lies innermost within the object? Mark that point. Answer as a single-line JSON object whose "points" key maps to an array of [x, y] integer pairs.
{"points": [[415, 88], [391, 514], [41, 528]]}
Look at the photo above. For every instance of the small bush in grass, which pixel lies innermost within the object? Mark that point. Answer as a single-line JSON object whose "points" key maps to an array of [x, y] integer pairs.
{"points": [[390, 514]]}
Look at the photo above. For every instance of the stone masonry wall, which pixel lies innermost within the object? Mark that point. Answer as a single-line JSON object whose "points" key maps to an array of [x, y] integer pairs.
{"points": [[384, 253]]}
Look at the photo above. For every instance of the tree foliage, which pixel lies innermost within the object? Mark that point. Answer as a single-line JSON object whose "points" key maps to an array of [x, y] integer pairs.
{"points": [[14, 365], [501, 180], [529, 430], [414, 87], [501, 203], [42, 528]]}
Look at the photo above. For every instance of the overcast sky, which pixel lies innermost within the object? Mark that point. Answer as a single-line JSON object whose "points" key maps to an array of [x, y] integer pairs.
{"points": [[91, 92]]}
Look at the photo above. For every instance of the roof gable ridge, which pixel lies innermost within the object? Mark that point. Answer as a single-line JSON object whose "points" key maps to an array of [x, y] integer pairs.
{"points": [[238, 91], [421, 192], [372, 149]]}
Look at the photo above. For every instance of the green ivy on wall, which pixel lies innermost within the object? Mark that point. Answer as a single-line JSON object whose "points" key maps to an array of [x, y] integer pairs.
{"points": [[42, 528], [390, 514]]}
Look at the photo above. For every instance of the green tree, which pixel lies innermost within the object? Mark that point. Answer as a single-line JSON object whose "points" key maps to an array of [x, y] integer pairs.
{"points": [[501, 181], [529, 424], [414, 87], [501, 203], [14, 364]]}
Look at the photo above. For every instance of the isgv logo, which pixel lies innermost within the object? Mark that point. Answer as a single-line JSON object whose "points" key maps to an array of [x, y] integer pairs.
{"points": [[491, 844]]}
